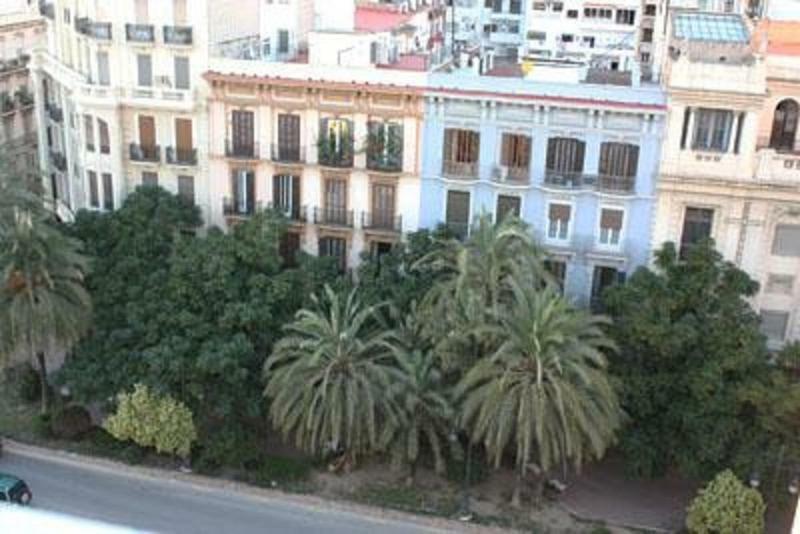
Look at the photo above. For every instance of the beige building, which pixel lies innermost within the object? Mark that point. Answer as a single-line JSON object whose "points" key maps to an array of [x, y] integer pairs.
{"points": [[21, 30], [730, 166]]}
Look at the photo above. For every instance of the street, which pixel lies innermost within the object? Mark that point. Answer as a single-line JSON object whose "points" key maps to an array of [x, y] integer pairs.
{"points": [[172, 506]]}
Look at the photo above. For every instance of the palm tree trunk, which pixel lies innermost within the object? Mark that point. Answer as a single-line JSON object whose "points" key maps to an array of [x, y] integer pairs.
{"points": [[43, 381], [516, 497], [412, 474]]}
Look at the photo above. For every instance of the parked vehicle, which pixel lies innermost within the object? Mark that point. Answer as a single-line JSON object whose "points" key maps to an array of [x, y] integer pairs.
{"points": [[14, 490]]}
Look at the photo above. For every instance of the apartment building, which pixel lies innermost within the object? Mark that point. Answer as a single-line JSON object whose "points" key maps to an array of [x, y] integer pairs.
{"points": [[495, 26], [577, 161], [730, 162], [119, 102], [21, 30]]}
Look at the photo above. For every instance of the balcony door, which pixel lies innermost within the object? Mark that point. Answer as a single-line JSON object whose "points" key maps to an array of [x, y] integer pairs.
{"points": [[383, 205], [147, 135], [244, 190], [784, 126], [565, 156], [289, 137], [183, 139], [286, 194], [243, 132]]}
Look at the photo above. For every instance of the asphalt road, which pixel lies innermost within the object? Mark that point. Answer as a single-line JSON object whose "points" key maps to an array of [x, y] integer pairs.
{"points": [[172, 506]]}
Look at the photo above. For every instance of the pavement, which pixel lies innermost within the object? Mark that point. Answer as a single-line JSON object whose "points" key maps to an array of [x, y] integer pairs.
{"points": [[161, 501]]}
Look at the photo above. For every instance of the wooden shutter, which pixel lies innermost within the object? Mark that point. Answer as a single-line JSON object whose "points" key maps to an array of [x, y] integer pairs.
{"points": [[335, 195], [108, 191], [182, 73], [507, 204], [619, 159], [186, 188], [147, 131], [457, 207], [105, 139], [183, 135], [243, 132], [611, 219], [565, 155], [295, 195], [289, 136], [144, 65], [560, 212], [449, 144]]}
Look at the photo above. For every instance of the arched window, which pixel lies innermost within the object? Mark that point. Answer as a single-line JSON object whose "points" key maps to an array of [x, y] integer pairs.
{"points": [[784, 126]]}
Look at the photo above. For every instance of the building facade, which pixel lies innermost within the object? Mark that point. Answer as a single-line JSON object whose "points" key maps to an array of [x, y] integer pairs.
{"points": [[499, 26], [577, 162], [21, 30], [119, 102], [730, 165]]}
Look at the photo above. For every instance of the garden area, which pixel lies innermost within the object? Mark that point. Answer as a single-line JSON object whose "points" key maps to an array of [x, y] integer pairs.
{"points": [[442, 364]]}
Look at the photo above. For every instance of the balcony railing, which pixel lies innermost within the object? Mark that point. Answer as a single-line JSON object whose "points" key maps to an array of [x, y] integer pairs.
{"points": [[239, 151], [600, 182], [382, 220], [178, 35], [288, 154], [14, 64], [59, 161], [47, 9], [55, 113], [240, 208], [181, 156], [145, 153], [340, 157], [457, 169], [513, 175], [334, 217], [384, 162], [140, 33], [96, 30], [293, 213]]}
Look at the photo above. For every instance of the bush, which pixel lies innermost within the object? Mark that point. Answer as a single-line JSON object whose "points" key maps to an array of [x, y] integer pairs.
{"points": [[71, 422], [478, 471], [726, 506], [278, 470], [228, 448], [101, 443], [41, 426], [28, 383]]}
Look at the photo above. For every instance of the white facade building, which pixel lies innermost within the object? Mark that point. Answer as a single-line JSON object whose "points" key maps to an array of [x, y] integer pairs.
{"points": [[496, 25]]}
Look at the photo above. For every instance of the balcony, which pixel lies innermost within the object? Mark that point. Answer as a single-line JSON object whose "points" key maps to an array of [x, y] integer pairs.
{"points": [[97, 30], [239, 207], [288, 154], [147, 154], [385, 162], [511, 175], [55, 113], [47, 9], [778, 166], [340, 156], [182, 156], [598, 182], [58, 160], [7, 103], [140, 33], [178, 35], [458, 169], [384, 221], [334, 217], [9, 66], [239, 151], [296, 214]]}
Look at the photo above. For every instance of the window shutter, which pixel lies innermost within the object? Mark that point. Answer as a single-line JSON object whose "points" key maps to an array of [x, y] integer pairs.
{"points": [[295, 181], [560, 212], [786, 241], [687, 114], [182, 73], [611, 219]]}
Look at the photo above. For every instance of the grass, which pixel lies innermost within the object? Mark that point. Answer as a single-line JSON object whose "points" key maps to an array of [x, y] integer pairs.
{"points": [[407, 499]]}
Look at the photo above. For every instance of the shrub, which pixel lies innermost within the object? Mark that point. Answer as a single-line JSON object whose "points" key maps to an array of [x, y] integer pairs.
{"points": [[281, 470], [726, 506], [102, 443], [28, 383], [41, 426], [154, 421], [478, 471], [71, 422], [226, 448]]}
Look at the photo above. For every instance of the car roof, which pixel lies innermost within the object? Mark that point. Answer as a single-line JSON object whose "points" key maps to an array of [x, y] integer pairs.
{"points": [[8, 481]]}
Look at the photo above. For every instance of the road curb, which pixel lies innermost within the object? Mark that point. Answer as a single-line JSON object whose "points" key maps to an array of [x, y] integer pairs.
{"points": [[205, 483]]}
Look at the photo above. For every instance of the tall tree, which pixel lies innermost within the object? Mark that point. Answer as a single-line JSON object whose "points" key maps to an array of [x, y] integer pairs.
{"points": [[43, 302], [690, 350], [327, 379], [545, 392]]}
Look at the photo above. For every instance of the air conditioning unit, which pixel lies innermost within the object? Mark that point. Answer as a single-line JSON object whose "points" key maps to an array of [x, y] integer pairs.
{"points": [[164, 81]]}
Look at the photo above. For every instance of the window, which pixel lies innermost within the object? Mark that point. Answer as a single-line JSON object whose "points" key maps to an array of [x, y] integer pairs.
{"points": [[184, 144], [105, 139], [780, 284], [647, 35], [335, 147], [288, 248], [380, 248], [588, 40], [539, 6], [286, 195], [149, 178], [687, 117], [334, 247], [147, 137], [650, 10], [603, 278], [558, 270], [103, 74], [243, 133], [597, 13], [572, 13], [461, 152], [385, 146], [619, 160], [645, 57], [567, 38], [288, 137], [537, 36], [145, 70], [565, 156], [335, 202], [558, 221], [108, 192], [784, 126], [457, 213], [557, 7], [186, 189], [610, 226], [774, 325], [383, 200], [283, 41], [515, 151], [712, 129], [244, 191], [88, 130], [507, 205], [786, 241], [515, 7], [626, 16], [696, 227], [182, 73], [94, 196]]}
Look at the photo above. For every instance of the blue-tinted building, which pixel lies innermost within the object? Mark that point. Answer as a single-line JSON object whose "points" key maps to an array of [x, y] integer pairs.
{"points": [[577, 161]]}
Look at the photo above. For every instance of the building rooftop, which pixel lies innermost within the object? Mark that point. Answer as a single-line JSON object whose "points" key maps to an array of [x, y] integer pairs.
{"points": [[376, 18], [778, 37], [711, 27]]}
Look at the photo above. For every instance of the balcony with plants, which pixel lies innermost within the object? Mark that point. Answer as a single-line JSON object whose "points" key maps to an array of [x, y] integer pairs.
{"points": [[385, 148], [335, 145]]}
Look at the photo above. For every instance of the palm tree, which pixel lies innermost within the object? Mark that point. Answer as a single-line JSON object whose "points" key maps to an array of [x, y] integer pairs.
{"points": [[328, 378], [545, 391], [425, 414], [43, 301]]}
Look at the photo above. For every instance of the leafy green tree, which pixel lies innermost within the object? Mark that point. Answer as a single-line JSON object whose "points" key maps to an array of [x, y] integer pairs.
{"points": [[690, 350], [726, 506], [150, 420], [327, 378], [43, 302], [545, 392], [425, 414]]}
